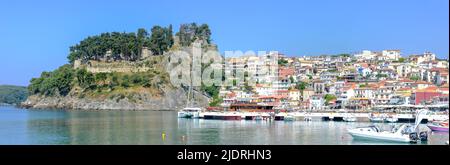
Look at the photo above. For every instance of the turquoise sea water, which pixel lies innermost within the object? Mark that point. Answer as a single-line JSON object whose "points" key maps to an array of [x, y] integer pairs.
{"points": [[21, 126]]}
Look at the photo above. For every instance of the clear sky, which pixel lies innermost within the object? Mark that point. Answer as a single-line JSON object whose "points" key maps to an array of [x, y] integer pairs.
{"points": [[36, 35]]}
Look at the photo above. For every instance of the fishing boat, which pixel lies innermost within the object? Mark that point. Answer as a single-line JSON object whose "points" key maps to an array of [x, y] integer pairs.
{"points": [[439, 126], [401, 133]]}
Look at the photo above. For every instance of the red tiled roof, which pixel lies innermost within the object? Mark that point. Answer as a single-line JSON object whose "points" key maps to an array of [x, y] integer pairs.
{"points": [[422, 82], [404, 89]]}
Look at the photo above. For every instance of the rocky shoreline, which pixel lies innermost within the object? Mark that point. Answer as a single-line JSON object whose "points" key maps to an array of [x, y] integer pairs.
{"points": [[173, 99]]}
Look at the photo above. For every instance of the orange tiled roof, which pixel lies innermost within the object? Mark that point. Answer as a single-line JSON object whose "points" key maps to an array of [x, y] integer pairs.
{"points": [[422, 82]]}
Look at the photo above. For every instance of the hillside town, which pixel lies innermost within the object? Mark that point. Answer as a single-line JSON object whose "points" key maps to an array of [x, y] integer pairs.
{"points": [[358, 82]]}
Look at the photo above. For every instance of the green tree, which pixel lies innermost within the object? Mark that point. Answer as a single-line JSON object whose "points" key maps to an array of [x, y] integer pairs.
{"points": [[301, 85], [188, 33], [282, 62], [161, 39], [329, 97], [125, 81], [58, 82], [292, 79], [85, 79], [414, 78], [114, 80], [101, 77]]}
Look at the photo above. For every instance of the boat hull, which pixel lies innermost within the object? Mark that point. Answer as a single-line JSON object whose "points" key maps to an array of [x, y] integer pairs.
{"points": [[222, 117], [392, 120], [384, 136], [377, 120], [349, 119], [438, 128]]}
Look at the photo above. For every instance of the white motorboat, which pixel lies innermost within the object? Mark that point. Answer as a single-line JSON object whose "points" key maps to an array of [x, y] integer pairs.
{"points": [[392, 119], [376, 117], [349, 119], [401, 133], [189, 113], [289, 118]]}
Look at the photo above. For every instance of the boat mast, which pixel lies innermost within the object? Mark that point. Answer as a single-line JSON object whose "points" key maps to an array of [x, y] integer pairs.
{"points": [[188, 102]]}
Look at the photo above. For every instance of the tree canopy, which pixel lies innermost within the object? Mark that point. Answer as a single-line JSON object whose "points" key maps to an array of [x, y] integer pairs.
{"points": [[128, 46], [122, 46], [188, 33], [10, 94]]}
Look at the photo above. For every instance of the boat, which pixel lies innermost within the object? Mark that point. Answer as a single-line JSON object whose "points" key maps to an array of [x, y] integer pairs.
{"points": [[374, 133], [401, 133], [189, 113], [289, 118], [391, 119], [349, 118], [439, 126], [223, 116], [330, 117], [376, 118]]}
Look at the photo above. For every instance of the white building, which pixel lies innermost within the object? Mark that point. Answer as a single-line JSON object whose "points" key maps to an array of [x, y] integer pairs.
{"points": [[366, 54], [391, 54]]}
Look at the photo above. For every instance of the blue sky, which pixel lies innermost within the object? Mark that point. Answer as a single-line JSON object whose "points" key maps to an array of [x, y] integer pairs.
{"points": [[36, 35]]}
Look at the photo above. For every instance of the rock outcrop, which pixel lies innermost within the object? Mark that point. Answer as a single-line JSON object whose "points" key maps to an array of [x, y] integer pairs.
{"points": [[172, 99]]}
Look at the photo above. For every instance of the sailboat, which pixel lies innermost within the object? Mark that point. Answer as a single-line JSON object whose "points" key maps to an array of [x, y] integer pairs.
{"points": [[189, 111]]}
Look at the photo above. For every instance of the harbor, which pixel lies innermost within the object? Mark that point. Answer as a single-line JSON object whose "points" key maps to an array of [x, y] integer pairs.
{"points": [[383, 113], [300, 116]]}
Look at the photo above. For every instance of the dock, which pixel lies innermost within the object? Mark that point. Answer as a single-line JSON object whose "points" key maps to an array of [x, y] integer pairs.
{"points": [[325, 116]]}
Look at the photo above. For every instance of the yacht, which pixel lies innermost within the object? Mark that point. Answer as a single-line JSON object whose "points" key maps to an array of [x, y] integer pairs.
{"points": [[401, 133]]}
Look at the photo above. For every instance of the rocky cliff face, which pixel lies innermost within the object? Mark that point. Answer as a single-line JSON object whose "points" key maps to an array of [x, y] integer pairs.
{"points": [[172, 99]]}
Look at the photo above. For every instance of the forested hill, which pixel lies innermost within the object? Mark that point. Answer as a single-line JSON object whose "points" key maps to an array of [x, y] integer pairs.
{"points": [[10, 94], [118, 69]]}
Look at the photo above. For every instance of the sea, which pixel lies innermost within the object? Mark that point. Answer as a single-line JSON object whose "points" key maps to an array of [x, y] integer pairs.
{"points": [[80, 127]]}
